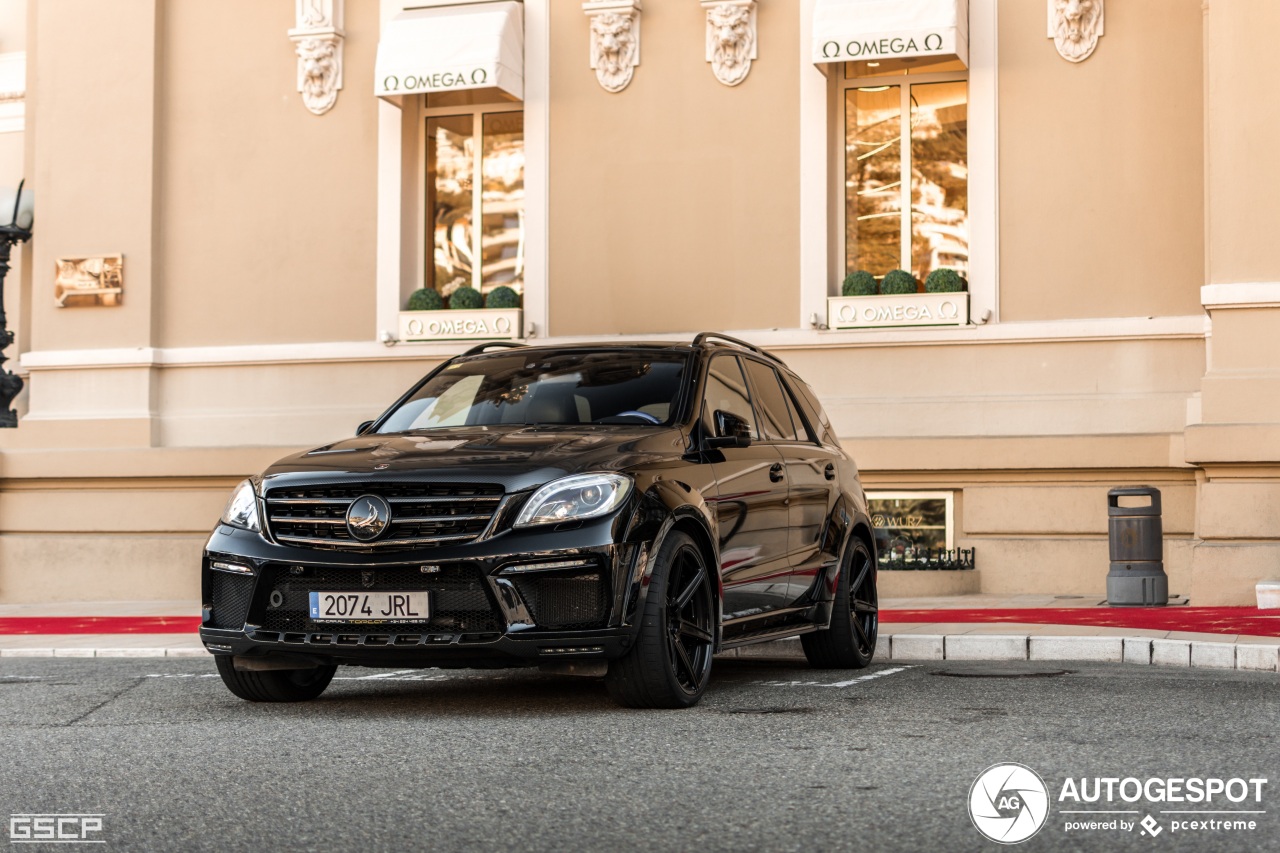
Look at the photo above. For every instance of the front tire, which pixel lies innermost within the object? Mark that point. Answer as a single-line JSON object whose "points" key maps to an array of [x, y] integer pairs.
{"points": [[670, 664], [274, 685], [850, 641]]}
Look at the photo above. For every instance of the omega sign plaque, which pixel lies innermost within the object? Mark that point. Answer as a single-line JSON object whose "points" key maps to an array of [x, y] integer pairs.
{"points": [[912, 309], [482, 324], [887, 46]]}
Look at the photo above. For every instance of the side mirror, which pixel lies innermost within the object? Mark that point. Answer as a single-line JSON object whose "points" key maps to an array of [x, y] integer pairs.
{"points": [[364, 427], [731, 430]]}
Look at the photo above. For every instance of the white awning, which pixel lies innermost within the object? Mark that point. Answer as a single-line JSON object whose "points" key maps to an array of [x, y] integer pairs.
{"points": [[859, 30], [446, 48]]}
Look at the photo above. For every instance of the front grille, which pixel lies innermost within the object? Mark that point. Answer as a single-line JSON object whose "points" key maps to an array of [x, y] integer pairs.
{"points": [[566, 602], [229, 596], [421, 515], [459, 599]]}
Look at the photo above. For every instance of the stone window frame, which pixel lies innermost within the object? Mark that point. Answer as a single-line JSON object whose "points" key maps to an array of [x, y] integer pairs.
{"points": [[401, 234], [842, 85], [475, 112], [822, 176]]}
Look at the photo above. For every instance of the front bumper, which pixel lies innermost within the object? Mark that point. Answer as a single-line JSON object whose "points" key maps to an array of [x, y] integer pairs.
{"points": [[574, 603]]}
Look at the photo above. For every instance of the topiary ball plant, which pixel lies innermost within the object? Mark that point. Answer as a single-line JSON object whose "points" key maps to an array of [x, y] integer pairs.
{"points": [[944, 280], [466, 298], [860, 283], [425, 299], [502, 297], [898, 282]]}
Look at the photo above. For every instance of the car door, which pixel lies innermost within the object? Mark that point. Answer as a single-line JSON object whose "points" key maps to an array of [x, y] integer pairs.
{"points": [[811, 472], [750, 500]]}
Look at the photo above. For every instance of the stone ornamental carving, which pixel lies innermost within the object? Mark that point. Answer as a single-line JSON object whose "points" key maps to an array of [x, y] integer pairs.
{"points": [[1074, 26], [317, 39], [731, 38], [615, 41]]}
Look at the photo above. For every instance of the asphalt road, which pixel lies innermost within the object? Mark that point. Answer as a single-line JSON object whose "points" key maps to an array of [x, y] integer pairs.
{"points": [[480, 761]]}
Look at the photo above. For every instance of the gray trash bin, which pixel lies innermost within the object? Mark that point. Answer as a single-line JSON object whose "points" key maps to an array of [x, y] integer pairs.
{"points": [[1137, 577]]}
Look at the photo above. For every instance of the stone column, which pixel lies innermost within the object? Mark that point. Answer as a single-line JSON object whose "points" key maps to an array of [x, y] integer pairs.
{"points": [[1235, 436]]}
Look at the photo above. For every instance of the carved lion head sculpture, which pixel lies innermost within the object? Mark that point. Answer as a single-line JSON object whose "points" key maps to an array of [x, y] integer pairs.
{"points": [[730, 41], [1076, 25], [317, 72], [613, 47]]}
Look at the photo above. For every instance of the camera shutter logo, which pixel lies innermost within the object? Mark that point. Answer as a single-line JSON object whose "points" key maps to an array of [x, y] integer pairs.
{"points": [[1008, 803], [367, 517]]}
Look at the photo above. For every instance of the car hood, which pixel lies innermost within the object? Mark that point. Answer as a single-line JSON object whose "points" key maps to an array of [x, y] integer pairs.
{"points": [[517, 457]]}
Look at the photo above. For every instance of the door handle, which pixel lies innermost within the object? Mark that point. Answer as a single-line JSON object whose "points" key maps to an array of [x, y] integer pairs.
{"points": [[830, 471], [775, 472]]}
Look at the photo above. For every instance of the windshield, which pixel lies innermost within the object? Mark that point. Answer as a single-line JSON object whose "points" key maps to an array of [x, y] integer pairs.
{"points": [[576, 387]]}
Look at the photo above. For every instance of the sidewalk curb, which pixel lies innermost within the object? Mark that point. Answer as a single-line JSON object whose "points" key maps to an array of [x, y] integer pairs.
{"points": [[188, 652], [1142, 651], [1197, 654]]}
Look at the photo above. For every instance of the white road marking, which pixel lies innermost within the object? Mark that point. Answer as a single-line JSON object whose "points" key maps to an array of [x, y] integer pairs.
{"points": [[892, 671], [393, 674], [398, 675], [420, 676]]}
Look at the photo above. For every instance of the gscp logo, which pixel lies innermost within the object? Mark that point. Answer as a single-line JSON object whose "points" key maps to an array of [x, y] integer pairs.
{"points": [[56, 828], [1008, 803]]}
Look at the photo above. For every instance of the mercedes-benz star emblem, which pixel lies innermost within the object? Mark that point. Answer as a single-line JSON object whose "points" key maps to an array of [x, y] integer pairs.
{"points": [[368, 517]]}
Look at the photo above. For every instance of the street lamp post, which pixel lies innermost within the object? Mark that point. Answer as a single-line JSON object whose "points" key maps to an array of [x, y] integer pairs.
{"points": [[17, 230]]}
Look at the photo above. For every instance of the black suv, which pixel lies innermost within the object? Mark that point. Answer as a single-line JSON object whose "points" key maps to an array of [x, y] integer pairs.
{"points": [[622, 509]]}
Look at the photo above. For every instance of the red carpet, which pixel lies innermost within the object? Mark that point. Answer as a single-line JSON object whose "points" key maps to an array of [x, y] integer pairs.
{"points": [[99, 624], [1205, 620]]}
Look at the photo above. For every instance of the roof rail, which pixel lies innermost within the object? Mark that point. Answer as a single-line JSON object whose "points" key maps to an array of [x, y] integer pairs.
{"points": [[479, 348], [703, 337]]}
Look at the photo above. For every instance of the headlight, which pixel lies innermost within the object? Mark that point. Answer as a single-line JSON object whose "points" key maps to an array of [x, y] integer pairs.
{"points": [[242, 509], [575, 498]]}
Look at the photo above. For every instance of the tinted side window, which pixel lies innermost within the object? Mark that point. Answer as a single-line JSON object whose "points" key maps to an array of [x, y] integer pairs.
{"points": [[813, 411], [802, 434], [727, 392], [771, 403]]}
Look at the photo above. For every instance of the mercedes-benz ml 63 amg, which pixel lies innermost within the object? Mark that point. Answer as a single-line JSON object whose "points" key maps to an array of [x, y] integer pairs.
{"points": [[624, 509]]}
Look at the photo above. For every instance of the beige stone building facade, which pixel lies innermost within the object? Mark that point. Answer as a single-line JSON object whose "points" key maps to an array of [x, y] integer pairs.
{"points": [[279, 178]]}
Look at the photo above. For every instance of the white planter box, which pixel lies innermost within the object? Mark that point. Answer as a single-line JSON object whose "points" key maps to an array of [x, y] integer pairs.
{"points": [[482, 324], [911, 309]]}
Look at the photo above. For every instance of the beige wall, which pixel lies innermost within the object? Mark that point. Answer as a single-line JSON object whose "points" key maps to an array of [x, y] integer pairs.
{"points": [[243, 218], [674, 204], [1040, 388], [13, 25], [91, 118], [1242, 121], [1101, 165], [268, 212]]}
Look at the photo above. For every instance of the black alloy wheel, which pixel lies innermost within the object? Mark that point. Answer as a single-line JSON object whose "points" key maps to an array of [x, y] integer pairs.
{"points": [[670, 664], [850, 641], [274, 685]]}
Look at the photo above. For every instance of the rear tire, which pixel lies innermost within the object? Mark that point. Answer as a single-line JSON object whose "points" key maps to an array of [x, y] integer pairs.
{"points": [[274, 685], [850, 641], [670, 664]]}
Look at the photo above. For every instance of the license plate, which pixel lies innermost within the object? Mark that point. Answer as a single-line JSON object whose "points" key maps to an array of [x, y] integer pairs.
{"points": [[370, 606]]}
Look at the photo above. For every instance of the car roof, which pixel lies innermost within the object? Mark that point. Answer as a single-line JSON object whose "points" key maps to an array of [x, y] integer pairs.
{"points": [[705, 341]]}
